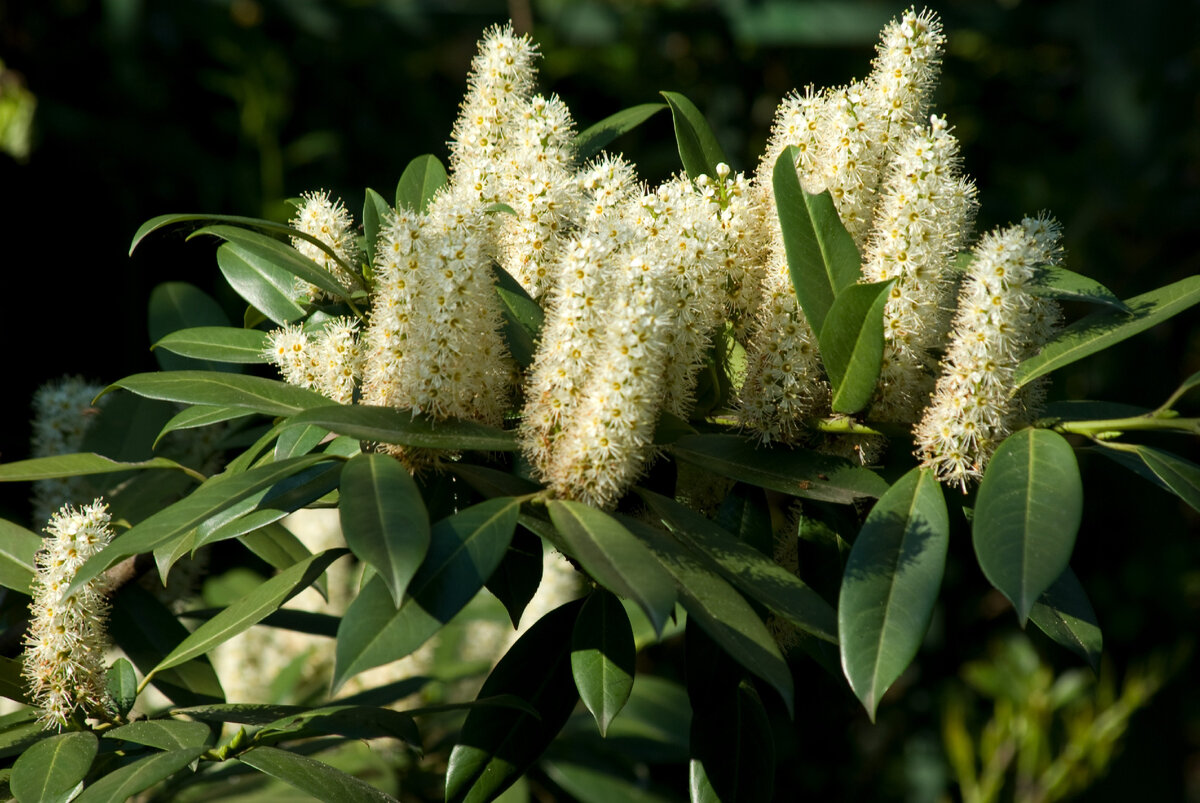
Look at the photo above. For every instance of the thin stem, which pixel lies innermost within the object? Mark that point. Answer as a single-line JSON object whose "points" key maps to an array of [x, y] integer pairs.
{"points": [[1108, 428]]}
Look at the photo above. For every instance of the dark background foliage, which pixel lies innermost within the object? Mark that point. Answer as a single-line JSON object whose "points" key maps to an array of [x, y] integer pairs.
{"points": [[1088, 109]]}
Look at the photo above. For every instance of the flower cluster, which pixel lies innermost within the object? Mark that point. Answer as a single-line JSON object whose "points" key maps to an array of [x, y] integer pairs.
{"points": [[329, 361], [331, 223], [62, 412], [64, 648]]}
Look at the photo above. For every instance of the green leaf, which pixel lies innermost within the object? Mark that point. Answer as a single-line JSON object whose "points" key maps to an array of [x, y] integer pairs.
{"points": [[597, 784], [496, 745], [156, 223], [179, 305], [121, 682], [753, 573], [18, 547], [1169, 471], [593, 139], [615, 558], [852, 344], [522, 317], [274, 258], [464, 550], [375, 210], [217, 389], [213, 496], [311, 776], [276, 545], [822, 257], [1065, 614], [12, 683], [745, 512], [384, 519], [250, 609], [419, 182], [75, 465], [52, 770], [1102, 329], [602, 657], [519, 574], [164, 734], [201, 415], [698, 147], [719, 610], [1027, 513], [264, 285], [217, 343], [793, 471], [351, 721], [891, 583], [124, 783], [1066, 285], [389, 425]]}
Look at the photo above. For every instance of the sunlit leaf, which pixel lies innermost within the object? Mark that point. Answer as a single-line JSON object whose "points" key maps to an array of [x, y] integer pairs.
{"points": [[602, 657], [852, 344], [52, 770], [1065, 614], [17, 549], [419, 182], [1065, 285], [267, 254], [216, 389], [264, 285], [164, 734], [698, 147], [389, 425], [217, 343], [121, 682], [125, 782], [594, 138], [75, 465]]}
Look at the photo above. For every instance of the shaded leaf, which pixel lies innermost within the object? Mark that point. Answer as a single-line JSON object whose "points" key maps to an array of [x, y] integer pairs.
{"points": [[519, 574], [699, 150], [1065, 614], [271, 255], [217, 389], [419, 182], [264, 285], [589, 784], [1027, 513], [125, 782], [1102, 329], [375, 211], [522, 316], [121, 682], [217, 343], [1065, 285], [201, 415], [351, 721], [52, 770], [594, 138], [602, 657], [744, 512], [389, 425], [75, 465], [615, 558], [852, 344], [12, 683], [891, 583], [164, 734], [179, 305], [1170, 471]]}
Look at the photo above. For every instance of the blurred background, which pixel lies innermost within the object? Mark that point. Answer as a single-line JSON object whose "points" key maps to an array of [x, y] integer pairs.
{"points": [[1088, 109]]}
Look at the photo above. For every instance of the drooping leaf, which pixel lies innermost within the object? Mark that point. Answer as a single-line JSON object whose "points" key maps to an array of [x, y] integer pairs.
{"points": [[217, 343], [264, 285], [419, 182], [1169, 471], [793, 471], [217, 389], [594, 138], [1105, 328], [271, 258], [276, 545], [615, 558], [17, 549], [351, 721], [52, 770], [699, 150], [822, 257], [496, 745], [1065, 614], [164, 734], [891, 583], [464, 550], [250, 609], [753, 573], [522, 316], [852, 344], [127, 781], [389, 425], [602, 657], [75, 465], [1065, 285], [384, 519], [179, 305], [375, 211], [519, 574], [1027, 513], [121, 682]]}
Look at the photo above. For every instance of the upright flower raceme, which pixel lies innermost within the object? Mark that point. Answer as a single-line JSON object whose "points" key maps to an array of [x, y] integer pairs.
{"points": [[329, 362], [331, 223], [998, 324], [64, 648]]}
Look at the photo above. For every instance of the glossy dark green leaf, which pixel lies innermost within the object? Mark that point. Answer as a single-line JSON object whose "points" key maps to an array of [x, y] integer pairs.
{"points": [[793, 471], [18, 547], [519, 574], [179, 305], [745, 513], [594, 138], [1065, 285], [263, 284], [492, 482], [217, 343], [75, 465], [464, 550], [164, 734], [852, 344], [496, 745], [891, 583], [52, 770], [389, 425], [602, 657], [268, 252], [351, 721], [719, 610], [12, 683], [175, 521], [18, 738], [224, 390], [615, 558], [1169, 471], [276, 545], [1027, 513], [419, 182], [699, 150], [1065, 614], [1105, 328], [375, 211], [122, 684], [384, 519], [250, 609], [753, 573], [125, 782], [201, 415], [822, 257], [522, 316]]}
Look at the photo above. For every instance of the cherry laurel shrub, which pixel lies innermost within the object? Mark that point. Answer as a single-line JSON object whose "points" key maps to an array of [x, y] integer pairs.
{"points": [[608, 403]]}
